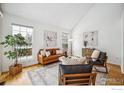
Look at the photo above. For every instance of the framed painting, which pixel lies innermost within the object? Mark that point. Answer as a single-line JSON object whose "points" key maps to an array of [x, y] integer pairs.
{"points": [[90, 39], [50, 39]]}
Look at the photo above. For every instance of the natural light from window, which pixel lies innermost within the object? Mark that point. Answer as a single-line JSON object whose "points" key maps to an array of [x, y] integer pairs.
{"points": [[27, 33]]}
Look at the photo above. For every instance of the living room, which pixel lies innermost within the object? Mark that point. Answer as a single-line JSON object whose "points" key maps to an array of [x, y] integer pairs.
{"points": [[66, 29]]}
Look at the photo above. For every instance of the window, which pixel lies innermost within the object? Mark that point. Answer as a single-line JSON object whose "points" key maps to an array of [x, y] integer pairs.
{"points": [[65, 41], [26, 32]]}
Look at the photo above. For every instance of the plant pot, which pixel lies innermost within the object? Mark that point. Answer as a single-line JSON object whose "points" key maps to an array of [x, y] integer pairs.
{"points": [[2, 83], [15, 69]]}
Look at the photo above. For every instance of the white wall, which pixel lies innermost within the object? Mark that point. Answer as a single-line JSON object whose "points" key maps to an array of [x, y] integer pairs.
{"points": [[0, 46], [39, 28], [0, 41], [122, 63], [106, 19]]}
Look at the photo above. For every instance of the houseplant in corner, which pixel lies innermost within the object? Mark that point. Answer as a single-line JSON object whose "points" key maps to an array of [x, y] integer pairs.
{"points": [[16, 44]]}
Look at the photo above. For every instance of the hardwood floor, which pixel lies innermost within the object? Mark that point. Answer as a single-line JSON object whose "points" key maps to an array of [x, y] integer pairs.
{"points": [[20, 79], [114, 76]]}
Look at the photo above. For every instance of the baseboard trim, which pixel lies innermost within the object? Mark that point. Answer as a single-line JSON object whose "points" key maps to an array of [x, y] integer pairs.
{"points": [[23, 67], [113, 64]]}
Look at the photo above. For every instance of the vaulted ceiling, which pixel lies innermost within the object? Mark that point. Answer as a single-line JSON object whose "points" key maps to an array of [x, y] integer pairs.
{"points": [[64, 15]]}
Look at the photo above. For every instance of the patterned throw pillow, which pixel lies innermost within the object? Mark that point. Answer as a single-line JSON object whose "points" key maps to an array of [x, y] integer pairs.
{"points": [[95, 55], [42, 53], [47, 53], [58, 51]]}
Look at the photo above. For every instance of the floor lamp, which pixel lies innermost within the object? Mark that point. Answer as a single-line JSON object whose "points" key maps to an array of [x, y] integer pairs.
{"points": [[70, 47]]}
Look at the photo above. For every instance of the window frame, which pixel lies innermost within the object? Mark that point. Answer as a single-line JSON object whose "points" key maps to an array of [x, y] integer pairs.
{"points": [[26, 31]]}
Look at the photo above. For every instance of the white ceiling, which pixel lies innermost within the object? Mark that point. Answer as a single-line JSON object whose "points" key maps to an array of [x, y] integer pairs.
{"points": [[64, 15]]}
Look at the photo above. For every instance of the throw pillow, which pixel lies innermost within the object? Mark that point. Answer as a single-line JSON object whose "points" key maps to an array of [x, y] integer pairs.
{"points": [[95, 55], [47, 53], [42, 53], [58, 51]]}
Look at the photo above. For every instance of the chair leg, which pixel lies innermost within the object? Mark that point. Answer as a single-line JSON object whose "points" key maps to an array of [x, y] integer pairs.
{"points": [[59, 80], [106, 69]]}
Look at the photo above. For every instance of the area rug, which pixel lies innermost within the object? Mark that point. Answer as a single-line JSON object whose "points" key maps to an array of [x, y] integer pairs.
{"points": [[48, 75]]}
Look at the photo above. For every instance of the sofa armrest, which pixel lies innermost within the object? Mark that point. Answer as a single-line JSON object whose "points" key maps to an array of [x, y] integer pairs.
{"points": [[40, 58]]}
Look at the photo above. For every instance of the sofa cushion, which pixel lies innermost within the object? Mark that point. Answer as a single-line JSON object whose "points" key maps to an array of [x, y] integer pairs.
{"points": [[51, 57], [74, 69], [50, 50]]}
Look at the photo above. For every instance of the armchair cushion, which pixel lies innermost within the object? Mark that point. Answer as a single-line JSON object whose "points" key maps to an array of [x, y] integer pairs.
{"points": [[100, 60], [74, 69], [102, 56], [95, 54]]}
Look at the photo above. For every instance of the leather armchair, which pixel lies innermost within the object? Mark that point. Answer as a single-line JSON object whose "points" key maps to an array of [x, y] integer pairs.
{"points": [[100, 61]]}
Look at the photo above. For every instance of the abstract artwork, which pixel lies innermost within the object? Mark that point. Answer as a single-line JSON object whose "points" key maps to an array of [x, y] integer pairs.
{"points": [[50, 39], [90, 39]]}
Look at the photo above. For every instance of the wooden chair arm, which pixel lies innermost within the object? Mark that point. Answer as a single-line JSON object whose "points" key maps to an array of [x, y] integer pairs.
{"points": [[92, 77], [78, 75]]}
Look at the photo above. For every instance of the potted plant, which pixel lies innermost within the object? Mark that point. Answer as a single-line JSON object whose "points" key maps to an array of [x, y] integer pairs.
{"points": [[17, 43]]}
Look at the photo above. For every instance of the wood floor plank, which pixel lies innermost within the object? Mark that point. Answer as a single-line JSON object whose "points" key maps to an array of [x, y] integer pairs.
{"points": [[114, 77]]}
